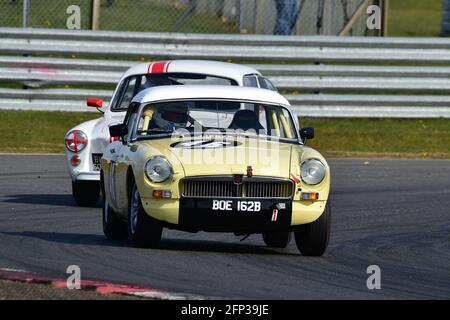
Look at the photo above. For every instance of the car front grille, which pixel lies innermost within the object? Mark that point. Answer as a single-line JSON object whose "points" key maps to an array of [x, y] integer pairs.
{"points": [[224, 187]]}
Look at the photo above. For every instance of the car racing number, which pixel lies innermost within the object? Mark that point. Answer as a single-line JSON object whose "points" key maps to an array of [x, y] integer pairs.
{"points": [[230, 205]]}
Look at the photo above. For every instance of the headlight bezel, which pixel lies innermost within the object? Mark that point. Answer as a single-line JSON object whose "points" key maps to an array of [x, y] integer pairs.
{"points": [[163, 160], [78, 138], [307, 179]]}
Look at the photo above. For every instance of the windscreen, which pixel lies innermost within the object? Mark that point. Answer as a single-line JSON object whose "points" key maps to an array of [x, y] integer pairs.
{"points": [[223, 116], [133, 85]]}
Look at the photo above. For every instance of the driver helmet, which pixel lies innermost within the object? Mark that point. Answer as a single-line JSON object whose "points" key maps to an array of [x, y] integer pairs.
{"points": [[171, 117]]}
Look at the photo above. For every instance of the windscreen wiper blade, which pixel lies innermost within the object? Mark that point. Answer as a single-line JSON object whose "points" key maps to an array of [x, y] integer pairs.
{"points": [[156, 131]]}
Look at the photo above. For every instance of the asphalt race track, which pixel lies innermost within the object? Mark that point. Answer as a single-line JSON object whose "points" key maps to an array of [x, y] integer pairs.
{"points": [[390, 213]]}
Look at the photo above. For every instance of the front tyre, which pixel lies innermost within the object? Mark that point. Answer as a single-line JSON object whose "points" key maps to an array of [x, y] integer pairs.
{"points": [[312, 238], [113, 227], [143, 230], [85, 193], [277, 239]]}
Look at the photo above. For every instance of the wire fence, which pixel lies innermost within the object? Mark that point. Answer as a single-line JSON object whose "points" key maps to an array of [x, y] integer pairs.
{"points": [[299, 17]]}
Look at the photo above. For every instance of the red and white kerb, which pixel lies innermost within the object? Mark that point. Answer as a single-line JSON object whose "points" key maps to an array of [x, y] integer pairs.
{"points": [[158, 67]]}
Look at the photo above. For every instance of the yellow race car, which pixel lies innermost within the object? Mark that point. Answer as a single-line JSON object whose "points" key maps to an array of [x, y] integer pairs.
{"points": [[219, 159]]}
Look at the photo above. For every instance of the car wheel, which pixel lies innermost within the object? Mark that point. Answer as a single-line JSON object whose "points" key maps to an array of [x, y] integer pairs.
{"points": [[113, 227], [86, 193], [143, 230], [278, 239], [312, 238]]}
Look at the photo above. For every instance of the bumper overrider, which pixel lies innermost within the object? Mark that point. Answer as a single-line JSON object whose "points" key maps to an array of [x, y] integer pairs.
{"points": [[222, 204]]}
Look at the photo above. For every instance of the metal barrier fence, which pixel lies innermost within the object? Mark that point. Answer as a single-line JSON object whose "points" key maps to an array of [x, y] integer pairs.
{"points": [[375, 83], [242, 47], [300, 17]]}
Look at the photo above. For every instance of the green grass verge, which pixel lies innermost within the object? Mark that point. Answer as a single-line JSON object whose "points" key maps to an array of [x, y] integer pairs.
{"points": [[406, 138], [42, 132], [412, 18], [37, 131]]}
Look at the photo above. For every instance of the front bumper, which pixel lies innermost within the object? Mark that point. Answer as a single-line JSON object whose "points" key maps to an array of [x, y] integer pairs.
{"points": [[196, 214]]}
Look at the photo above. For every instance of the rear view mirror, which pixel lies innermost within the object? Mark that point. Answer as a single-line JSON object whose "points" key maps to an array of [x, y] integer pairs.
{"points": [[94, 102], [118, 130], [306, 134]]}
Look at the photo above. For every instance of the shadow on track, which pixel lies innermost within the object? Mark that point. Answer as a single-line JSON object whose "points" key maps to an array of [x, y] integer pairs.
{"points": [[166, 244], [46, 199], [70, 238], [217, 247]]}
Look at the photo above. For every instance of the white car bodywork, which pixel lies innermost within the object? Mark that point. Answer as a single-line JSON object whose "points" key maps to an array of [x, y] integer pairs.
{"points": [[97, 131]]}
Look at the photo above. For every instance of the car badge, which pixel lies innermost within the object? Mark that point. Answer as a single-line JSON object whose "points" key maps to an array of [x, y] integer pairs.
{"points": [[238, 179], [249, 171]]}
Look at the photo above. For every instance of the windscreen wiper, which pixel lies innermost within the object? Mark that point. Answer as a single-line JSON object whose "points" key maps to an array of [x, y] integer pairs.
{"points": [[156, 130]]}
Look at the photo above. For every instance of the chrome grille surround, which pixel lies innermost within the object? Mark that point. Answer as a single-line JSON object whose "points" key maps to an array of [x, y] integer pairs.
{"points": [[223, 187]]}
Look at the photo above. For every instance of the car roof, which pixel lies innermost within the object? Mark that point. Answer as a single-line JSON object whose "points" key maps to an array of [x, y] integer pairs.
{"points": [[217, 68], [191, 92]]}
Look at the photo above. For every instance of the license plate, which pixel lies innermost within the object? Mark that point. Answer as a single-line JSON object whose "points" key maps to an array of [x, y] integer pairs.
{"points": [[235, 214], [96, 161], [237, 205]]}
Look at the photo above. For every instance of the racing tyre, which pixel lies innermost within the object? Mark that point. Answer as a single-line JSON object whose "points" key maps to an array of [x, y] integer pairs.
{"points": [[312, 238], [113, 227], [143, 230], [86, 193], [277, 239]]}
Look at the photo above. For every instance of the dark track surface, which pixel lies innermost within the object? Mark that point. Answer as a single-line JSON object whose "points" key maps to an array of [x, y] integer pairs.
{"points": [[391, 213]]}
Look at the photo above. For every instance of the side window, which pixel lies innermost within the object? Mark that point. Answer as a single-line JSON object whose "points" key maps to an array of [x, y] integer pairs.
{"points": [[118, 95], [128, 94], [266, 84], [130, 118], [250, 81]]}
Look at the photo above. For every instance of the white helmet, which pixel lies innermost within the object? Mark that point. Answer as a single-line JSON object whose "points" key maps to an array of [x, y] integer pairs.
{"points": [[171, 117]]}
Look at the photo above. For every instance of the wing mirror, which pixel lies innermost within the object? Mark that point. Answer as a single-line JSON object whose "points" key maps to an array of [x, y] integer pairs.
{"points": [[306, 134], [94, 102], [117, 131]]}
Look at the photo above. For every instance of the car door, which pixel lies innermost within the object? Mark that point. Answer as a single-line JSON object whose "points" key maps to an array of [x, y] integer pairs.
{"points": [[120, 162]]}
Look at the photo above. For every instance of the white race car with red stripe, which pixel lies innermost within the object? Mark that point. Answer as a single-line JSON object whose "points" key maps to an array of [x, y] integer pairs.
{"points": [[86, 142]]}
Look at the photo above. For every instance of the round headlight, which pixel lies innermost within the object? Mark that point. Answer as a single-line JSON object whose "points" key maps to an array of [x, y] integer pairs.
{"points": [[312, 171], [158, 169], [76, 141]]}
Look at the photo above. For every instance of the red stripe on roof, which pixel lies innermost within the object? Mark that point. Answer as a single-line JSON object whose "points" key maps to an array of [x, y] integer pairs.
{"points": [[159, 67], [149, 70], [167, 66]]}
